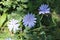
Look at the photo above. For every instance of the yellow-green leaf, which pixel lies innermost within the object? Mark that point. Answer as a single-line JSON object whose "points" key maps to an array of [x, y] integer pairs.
{"points": [[2, 19]]}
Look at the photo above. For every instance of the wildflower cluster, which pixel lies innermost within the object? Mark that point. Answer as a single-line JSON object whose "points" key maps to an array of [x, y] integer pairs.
{"points": [[29, 20]]}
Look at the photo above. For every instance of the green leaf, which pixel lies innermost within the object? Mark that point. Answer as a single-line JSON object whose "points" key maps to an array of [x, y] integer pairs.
{"points": [[19, 8], [7, 3], [24, 5], [2, 19], [15, 15], [24, 0]]}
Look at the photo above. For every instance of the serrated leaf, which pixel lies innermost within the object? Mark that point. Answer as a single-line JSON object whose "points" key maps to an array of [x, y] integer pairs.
{"points": [[2, 19]]}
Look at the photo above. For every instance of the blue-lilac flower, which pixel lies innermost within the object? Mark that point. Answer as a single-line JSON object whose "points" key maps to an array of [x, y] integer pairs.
{"points": [[13, 25], [29, 20], [44, 8]]}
